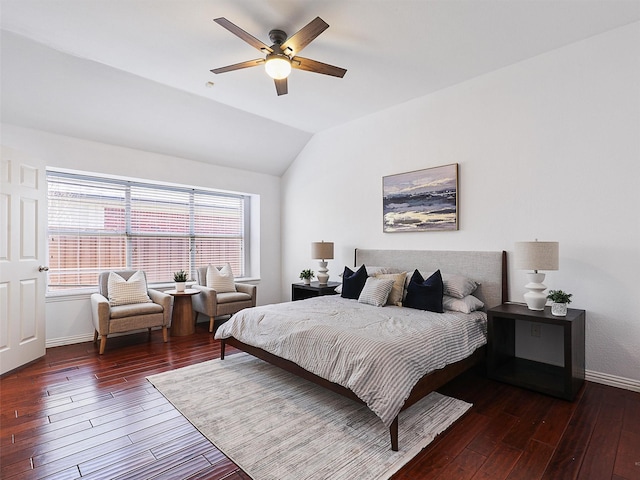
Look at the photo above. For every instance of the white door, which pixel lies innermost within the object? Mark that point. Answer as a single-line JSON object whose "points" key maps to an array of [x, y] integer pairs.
{"points": [[23, 219]]}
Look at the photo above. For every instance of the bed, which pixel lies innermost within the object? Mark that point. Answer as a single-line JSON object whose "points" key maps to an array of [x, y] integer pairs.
{"points": [[312, 339]]}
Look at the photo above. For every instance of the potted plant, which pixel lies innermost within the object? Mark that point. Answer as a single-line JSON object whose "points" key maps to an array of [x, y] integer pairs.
{"points": [[560, 301], [306, 276], [180, 278]]}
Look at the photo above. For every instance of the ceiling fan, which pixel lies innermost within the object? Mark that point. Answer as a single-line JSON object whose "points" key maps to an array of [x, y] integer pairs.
{"points": [[281, 57]]}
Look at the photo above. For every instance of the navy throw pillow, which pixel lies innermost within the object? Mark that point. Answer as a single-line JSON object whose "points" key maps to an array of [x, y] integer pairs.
{"points": [[353, 282], [425, 294]]}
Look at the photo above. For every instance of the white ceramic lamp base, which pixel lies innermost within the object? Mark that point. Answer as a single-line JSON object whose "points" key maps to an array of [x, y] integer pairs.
{"points": [[323, 276], [536, 300]]}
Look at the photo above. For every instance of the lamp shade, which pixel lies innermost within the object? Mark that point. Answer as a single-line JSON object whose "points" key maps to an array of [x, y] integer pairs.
{"points": [[536, 255], [322, 250]]}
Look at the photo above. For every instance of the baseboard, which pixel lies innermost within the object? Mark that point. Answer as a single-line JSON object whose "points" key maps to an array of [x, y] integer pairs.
{"points": [[61, 341], [612, 380]]}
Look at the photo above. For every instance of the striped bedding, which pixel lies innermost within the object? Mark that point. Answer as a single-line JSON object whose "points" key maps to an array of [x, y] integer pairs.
{"points": [[379, 353]]}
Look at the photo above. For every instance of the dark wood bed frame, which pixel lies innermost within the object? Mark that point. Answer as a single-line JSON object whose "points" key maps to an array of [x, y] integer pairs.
{"points": [[425, 385]]}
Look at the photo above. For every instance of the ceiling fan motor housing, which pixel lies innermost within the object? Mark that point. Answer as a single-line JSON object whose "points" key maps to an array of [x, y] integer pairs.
{"points": [[278, 37]]}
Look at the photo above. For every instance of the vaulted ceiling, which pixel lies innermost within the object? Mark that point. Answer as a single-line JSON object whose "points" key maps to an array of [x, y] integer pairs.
{"points": [[136, 73]]}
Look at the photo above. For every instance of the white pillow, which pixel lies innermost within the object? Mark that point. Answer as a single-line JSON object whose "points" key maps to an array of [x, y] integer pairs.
{"points": [[466, 304], [125, 292], [376, 291], [397, 291], [221, 280]]}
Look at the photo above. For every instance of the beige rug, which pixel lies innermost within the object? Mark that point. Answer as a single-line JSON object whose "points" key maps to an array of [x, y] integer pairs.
{"points": [[277, 426]]}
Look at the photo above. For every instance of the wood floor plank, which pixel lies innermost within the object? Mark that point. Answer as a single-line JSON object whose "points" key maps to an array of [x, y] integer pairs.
{"points": [[600, 455], [567, 458], [499, 464], [115, 467], [135, 449], [464, 466], [434, 459], [533, 462], [627, 463], [170, 428], [553, 424], [66, 462], [62, 447], [631, 419], [185, 469], [529, 421], [487, 440]]}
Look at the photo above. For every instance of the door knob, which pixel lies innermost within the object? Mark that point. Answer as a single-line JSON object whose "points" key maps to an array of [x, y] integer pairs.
{"points": [[43, 268]]}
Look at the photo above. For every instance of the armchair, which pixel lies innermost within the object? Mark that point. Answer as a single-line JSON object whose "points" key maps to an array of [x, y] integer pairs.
{"points": [[214, 304], [108, 319]]}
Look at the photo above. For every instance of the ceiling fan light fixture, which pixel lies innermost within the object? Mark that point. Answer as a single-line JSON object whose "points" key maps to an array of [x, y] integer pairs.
{"points": [[278, 66]]}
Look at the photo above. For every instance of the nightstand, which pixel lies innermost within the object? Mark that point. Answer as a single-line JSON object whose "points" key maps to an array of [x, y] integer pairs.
{"points": [[300, 291], [504, 365]]}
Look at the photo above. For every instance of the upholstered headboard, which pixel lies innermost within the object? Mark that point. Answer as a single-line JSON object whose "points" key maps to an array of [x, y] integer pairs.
{"points": [[487, 268]]}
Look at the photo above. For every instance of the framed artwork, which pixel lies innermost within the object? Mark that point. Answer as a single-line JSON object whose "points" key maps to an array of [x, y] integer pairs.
{"points": [[422, 200]]}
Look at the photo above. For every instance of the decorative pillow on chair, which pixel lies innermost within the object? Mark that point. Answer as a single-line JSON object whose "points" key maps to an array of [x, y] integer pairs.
{"points": [[125, 292], [222, 280], [425, 294], [353, 282], [376, 291]]}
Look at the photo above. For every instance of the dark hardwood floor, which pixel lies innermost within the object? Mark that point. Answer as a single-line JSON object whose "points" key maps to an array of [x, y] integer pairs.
{"points": [[75, 414]]}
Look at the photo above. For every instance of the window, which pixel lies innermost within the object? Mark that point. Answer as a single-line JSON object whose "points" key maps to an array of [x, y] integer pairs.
{"points": [[98, 224]]}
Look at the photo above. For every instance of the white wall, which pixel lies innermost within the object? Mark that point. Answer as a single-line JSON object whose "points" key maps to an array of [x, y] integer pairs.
{"points": [[69, 319], [548, 148]]}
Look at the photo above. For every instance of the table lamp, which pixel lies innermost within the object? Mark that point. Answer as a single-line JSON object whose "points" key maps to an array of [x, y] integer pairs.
{"points": [[536, 256], [322, 251]]}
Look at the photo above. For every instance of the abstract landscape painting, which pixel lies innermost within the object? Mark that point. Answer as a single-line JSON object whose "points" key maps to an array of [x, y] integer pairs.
{"points": [[421, 200]]}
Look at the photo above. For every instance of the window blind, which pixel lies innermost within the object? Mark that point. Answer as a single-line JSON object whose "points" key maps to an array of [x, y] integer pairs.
{"points": [[98, 224]]}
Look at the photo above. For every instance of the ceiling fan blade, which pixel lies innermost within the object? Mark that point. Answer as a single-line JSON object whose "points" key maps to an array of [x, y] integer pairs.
{"points": [[281, 86], [250, 39], [309, 65], [238, 66], [303, 37]]}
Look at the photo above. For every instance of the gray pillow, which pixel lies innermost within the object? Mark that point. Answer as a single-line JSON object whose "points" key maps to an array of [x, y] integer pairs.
{"points": [[458, 286], [376, 291]]}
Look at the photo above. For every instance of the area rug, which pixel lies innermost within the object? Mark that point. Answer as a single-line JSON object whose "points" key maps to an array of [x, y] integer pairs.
{"points": [[277, 426]]}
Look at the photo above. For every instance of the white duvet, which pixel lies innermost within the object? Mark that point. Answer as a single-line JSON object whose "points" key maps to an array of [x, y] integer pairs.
{"points": [[379, 353]]}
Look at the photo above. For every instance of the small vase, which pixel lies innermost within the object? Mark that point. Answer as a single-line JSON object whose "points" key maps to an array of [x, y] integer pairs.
{"points": [[180, 286], [307, 281], [559, 309]]}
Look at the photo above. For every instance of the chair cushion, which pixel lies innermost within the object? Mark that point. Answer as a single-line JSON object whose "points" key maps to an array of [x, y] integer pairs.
{"points": [[133, 309], [230, 297], [221, 280], [125, 292]]}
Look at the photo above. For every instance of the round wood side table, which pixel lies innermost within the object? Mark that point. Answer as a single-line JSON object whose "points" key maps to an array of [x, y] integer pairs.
{"points": [[182, 322]]}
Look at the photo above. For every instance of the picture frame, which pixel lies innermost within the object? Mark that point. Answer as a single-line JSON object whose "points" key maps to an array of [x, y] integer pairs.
{"points": [[421, 200]]}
